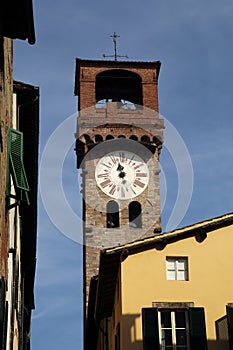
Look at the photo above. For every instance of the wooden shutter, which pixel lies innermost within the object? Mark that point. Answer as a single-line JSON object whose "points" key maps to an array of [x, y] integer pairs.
{"points": [[150, 329], [15, 163], [230, 325], [197, 328], [118, 338]]}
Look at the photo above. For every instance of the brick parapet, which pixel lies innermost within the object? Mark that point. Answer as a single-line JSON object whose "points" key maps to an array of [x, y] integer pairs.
{"points": [[87, 71]]}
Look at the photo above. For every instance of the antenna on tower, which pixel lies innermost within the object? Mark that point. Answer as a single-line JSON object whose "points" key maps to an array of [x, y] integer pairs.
{"points": [[115, 36]]}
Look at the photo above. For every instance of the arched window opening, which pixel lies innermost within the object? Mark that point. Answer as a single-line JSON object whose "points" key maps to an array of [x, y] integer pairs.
{"points": [[119, 85], [135, 215], [156, 140], [133, 137], [87, 138], [109, 137], [121, 137], [145, 139], [98, 138], [112, 215]]}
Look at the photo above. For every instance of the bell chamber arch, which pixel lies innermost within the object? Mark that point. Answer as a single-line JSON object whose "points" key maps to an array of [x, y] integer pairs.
{"points": [[118, 85]]}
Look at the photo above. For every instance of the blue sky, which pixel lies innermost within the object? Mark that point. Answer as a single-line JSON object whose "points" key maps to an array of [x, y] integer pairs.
{"points": [[193, 40]]}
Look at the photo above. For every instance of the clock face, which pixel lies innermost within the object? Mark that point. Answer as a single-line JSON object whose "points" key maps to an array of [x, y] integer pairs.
{"points": [[122, 175]]}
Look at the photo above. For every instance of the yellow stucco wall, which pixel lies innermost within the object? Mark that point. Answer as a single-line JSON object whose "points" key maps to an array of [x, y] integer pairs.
{"points": [[210, 284]]}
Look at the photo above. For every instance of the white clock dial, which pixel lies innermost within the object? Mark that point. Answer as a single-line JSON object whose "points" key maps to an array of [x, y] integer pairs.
{"points": [[122, 175]]}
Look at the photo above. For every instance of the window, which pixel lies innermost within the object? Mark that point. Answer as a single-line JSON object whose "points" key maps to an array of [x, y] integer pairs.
{"points": [[177, 268], [112, 215], [15, 166], [135, 216], [174, 329], [119, 84]]}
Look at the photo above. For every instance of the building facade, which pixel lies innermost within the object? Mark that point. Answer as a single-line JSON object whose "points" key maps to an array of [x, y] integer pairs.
{"points": [[19, 124], [170, 292]]}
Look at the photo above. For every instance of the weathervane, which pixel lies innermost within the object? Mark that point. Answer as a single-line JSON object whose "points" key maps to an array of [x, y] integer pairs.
{"points": [[115, 36]]}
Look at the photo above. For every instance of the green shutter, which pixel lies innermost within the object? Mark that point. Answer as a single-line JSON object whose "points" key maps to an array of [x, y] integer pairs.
{"points": [[15, 164], [197, 328], [230, 325], [150, 329], [2, 310]]}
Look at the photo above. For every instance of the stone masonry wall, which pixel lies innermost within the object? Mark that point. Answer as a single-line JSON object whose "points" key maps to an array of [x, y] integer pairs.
{"points": [[96, 125]]}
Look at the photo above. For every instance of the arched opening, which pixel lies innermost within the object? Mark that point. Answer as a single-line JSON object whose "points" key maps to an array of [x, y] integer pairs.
{"points": [[135, 215], [156, 140], [112, 215], [109, 137], [98, 138], [119, 85], [145, 139], [133, 137], [121, 137], [87, 138]]}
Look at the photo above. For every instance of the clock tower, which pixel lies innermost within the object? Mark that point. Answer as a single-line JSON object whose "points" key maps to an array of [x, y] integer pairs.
{"points": [[118, 142]]}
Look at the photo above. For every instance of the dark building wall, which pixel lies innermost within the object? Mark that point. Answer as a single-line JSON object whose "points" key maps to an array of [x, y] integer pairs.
{"points": [[6, 102]]}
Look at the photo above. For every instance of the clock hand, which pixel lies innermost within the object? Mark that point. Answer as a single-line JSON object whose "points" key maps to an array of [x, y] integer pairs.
{"points": [[120, 167]]}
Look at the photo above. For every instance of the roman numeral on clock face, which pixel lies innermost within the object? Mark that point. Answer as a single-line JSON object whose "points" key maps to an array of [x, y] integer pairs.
{"points": [[109, 165], [141, 174], [105, 176], [105, 183], [122, 157], [113, 190], [122, 192], [132, 190], [131, 160], [113, 159], [138, 183], [138, 166]]}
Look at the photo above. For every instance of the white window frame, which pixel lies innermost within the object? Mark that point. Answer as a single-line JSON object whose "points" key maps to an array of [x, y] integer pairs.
{"points": [[176, 273], [173, 328]]}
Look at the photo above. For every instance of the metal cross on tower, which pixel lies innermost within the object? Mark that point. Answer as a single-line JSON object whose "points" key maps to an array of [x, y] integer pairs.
{"points": [[115, 36]]}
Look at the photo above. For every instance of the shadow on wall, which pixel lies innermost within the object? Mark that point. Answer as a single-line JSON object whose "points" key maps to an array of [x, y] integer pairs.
{"points": [[132, 322]]}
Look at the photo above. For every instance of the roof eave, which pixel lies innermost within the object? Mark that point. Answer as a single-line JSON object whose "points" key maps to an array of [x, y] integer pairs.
{"points": [[17, 20], [112, 257]]}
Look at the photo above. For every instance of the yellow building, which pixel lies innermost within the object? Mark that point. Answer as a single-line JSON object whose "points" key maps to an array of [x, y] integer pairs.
{"points": [[168, 292]]}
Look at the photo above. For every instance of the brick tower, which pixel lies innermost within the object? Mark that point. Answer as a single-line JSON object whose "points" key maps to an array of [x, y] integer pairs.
{"points": [[118, 142]]}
